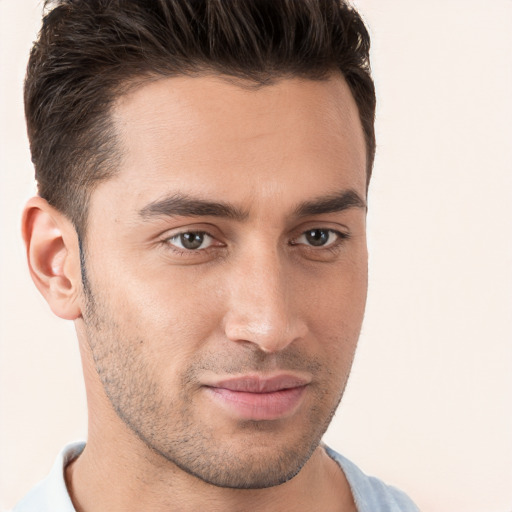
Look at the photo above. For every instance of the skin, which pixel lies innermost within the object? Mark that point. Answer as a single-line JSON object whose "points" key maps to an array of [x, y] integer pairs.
{"points": [[157, 323]]}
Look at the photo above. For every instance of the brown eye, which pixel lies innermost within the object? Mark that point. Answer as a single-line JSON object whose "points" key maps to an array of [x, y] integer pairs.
{"points": [[317, 237], [191, 240]]}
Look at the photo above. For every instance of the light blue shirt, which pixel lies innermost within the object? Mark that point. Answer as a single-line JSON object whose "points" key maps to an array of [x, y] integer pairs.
{"points": [[370, 493]]}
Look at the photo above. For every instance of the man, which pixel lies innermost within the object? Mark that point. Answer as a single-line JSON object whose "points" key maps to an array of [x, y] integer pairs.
{"points": [[202, 170]]}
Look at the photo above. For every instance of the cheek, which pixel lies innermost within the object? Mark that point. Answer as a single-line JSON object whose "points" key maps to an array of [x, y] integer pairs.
{"points": [[339, 296], [170, 315], [335, 313]]}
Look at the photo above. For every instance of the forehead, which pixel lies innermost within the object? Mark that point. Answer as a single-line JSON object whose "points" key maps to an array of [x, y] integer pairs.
{"points": [[212, 137]]}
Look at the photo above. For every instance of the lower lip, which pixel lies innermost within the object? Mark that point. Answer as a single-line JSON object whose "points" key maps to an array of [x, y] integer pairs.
{"points": [[258, 406]]}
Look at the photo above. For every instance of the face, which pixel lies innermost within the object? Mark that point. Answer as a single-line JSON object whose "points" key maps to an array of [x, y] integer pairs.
{"points": [[226, 272]]}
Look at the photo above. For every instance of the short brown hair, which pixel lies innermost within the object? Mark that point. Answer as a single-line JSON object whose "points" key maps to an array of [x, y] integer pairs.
{"points": [[90, 51]]}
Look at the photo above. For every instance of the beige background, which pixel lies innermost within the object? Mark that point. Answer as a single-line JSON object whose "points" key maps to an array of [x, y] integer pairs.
{"points": [[429, 405]]}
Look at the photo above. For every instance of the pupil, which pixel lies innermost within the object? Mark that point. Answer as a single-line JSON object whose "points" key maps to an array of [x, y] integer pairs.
{"points": [[192, 240], [317, 237]]}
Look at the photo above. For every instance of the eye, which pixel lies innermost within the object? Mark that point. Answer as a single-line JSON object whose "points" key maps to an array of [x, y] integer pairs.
{"points": [[191, 240], [319, 237]]}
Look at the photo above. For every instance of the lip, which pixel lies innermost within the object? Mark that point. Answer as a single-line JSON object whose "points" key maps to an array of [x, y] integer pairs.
{"points": [[253, 397]]}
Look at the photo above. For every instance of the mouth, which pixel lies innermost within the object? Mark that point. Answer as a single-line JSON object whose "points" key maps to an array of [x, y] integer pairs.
{"points": [[257, 398]]}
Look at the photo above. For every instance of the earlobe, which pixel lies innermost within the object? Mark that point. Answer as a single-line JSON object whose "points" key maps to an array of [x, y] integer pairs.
{"points": [[53, 257]]}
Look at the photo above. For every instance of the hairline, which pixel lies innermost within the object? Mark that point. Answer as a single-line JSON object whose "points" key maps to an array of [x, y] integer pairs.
{"points": [[137, 81]]}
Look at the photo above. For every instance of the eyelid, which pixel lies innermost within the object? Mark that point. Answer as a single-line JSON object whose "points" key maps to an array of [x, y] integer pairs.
{"points": [[340, 237], [181, 248], [168, 245], [341, 233], [207, 229]]}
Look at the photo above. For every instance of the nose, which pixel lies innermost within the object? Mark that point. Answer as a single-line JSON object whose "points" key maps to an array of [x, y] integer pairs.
{"points": [[262, 310]]}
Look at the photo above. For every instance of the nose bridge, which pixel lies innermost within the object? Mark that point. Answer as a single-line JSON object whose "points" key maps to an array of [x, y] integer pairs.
{"points": [[261, 306]]}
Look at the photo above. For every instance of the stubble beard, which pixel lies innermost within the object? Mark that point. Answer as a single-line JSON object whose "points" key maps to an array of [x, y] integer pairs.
{"points": [[262, 454]]}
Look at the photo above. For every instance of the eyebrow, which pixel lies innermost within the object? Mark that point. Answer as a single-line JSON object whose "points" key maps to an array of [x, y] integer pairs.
{"points": [[187, 206], [331, 204]]}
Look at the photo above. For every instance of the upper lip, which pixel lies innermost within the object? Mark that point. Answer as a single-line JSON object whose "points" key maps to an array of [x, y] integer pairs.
{"points": [[260, 384]]}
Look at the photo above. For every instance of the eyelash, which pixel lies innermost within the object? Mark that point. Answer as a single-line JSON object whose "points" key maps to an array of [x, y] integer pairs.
{"points": [[333, 246], [168, 240]]}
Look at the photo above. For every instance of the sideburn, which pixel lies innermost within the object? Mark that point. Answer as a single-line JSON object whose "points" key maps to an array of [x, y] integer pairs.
{"points": [[83, 273]]}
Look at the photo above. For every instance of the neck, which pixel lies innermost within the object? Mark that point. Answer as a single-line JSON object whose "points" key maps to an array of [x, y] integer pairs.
{"points": [[115, 476]]}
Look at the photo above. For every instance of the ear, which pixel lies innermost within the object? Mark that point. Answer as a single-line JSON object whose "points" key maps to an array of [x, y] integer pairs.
{"points": [[53, 257]]}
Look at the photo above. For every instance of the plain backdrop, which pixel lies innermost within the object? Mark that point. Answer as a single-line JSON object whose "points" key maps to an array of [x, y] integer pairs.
{"points": [[429, 404]]}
